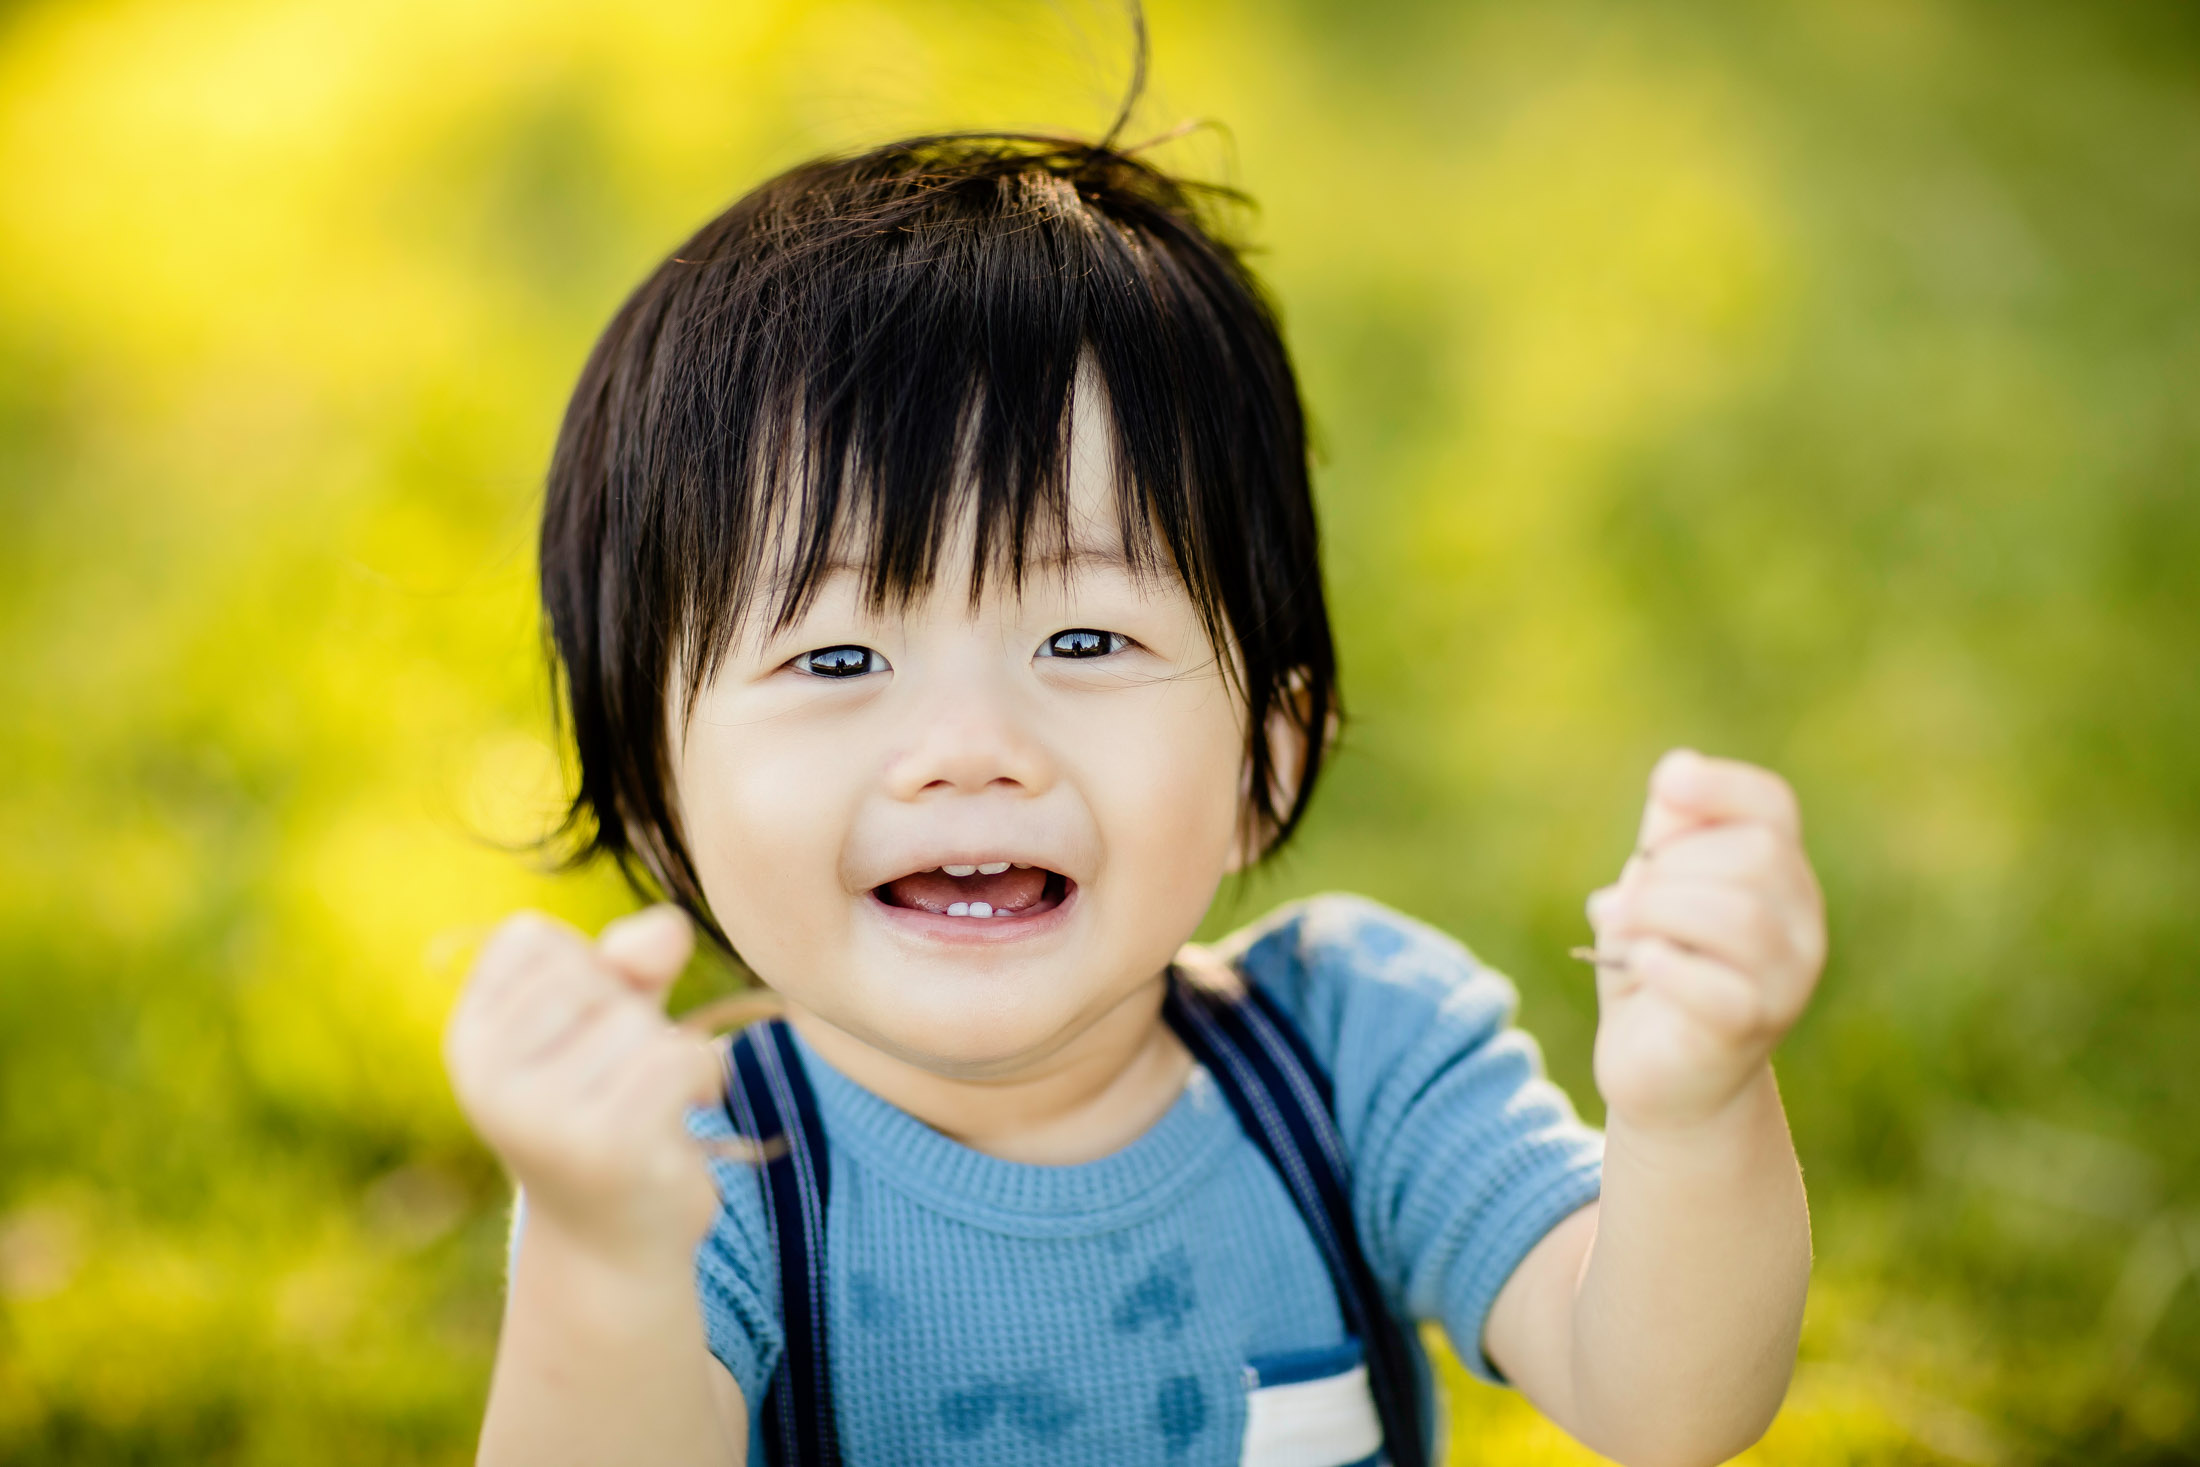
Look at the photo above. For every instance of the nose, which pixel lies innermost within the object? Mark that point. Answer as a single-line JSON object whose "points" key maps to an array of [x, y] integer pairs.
{"points": [[966, 737]]}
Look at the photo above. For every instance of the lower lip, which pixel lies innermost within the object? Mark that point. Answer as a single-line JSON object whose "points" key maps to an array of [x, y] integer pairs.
{"points": [[976, 931]]}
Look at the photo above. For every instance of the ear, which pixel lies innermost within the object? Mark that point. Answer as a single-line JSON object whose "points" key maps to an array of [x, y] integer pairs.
{"points": [[1287, 751]]}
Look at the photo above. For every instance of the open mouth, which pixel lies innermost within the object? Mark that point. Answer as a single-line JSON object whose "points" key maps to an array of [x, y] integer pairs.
{"points": [[990, 891]]}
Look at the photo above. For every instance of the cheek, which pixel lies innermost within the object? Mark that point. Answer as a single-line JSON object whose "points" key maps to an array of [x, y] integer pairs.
{"points": [[1174, 791], [759, 824]]}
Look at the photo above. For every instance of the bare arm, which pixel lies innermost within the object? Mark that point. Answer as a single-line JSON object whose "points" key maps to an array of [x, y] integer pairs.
{"points": [[1660, 1325], [602, 1361], [562, 1058]]}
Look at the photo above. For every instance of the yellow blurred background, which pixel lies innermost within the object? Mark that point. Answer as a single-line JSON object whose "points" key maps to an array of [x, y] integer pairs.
{"points": [[1814, 381]]}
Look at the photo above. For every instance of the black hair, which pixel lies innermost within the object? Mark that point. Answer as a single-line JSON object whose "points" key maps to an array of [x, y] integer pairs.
{"points": [[856, 355]]}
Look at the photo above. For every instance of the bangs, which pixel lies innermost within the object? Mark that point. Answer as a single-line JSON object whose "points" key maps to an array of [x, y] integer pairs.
{"points": [[867, 354], [884, 479]]}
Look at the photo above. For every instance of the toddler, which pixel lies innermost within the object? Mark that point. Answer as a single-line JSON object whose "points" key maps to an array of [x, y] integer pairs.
{"points": [[934, 582]]}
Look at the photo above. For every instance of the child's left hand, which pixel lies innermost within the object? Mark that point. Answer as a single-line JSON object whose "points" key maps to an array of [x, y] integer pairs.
{"points": [[1720, 932]]}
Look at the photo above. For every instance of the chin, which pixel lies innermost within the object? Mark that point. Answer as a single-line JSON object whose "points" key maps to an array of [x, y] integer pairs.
{"points": [[973, 1023]]}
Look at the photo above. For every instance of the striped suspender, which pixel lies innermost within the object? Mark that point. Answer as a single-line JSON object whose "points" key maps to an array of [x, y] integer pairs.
{"points": [[768, 1098], [1281, 1099]]}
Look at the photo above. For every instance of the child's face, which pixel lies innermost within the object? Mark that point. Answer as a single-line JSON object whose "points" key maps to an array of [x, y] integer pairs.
{"points": [[819, 810]]}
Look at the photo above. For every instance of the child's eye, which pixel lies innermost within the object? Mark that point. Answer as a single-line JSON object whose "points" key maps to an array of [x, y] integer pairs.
{"points": [[1083, 642], [840, 662]]}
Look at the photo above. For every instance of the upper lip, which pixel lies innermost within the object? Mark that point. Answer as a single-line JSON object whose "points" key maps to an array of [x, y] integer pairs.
{"points": [[931, 858]]}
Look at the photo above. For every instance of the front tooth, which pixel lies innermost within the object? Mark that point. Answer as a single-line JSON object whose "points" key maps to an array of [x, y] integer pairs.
{"points": [[959, 870], [960, 909], [981, 909], [993, 868], [1023, 865]]}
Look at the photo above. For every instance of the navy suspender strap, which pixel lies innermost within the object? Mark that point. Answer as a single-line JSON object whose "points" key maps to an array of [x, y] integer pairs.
{"points": [[1282, 1099], [768, 1099]]}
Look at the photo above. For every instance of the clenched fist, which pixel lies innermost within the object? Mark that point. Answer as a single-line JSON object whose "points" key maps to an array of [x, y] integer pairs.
{"points": [[1709, 944], [563, 1060]]}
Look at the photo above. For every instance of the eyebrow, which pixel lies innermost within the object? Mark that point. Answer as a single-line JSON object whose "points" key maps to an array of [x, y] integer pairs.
{"points": [[1082, 555], [776, 585]]}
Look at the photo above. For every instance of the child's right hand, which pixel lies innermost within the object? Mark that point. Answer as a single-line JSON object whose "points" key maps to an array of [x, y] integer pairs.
{"points": [[563, 1060]]}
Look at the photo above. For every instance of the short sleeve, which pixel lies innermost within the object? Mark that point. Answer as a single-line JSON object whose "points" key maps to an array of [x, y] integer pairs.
{"points": [[1463, 1154], [734, 1272]]}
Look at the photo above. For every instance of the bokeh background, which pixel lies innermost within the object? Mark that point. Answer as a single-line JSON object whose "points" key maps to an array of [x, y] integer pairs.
{"points": [[1814, 381]]}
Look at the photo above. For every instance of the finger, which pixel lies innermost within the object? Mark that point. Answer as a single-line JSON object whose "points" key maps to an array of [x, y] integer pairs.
{"points": [[1719, 919], [1616, 977], [663, 1079], [1662, 819], [1659, 824], [620, 1028], [560, 1015], [1722, 1000], [1751, 853], [550, 965], [1760, 859], [553, 1003], [649, 948], [515, 1019], [522, 944], [695, 1070], [1688, 789]]}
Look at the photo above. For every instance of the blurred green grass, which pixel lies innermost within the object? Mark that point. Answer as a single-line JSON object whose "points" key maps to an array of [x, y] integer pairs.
{"points": [[1813, 382]]}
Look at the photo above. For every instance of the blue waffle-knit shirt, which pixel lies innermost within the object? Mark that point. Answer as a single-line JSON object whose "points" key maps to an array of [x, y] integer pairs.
{"points": [[994, 1312]]}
